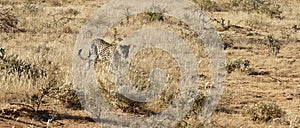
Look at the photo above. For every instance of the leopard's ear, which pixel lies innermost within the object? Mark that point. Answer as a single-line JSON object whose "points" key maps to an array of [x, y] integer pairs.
{"points": [[97, 40], [124, 50]]}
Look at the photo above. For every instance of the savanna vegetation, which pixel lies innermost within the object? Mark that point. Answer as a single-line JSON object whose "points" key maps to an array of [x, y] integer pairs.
{"points": [[261, 40]]}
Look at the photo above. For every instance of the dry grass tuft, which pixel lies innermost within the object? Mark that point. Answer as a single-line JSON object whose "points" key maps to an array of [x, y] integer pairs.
{"points": [[237, 64], [265, 111], [207, 5], [261, 6], [8, 21], [12, 65], [47, 77]]}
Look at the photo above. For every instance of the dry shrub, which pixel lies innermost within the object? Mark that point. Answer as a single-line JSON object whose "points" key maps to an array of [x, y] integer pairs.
{"points": [[237, 64], [12, 65], [51, 2], [59, 22], [273, 45], [66, 95], [191, 119], [55, 86], [8, 21], [47, 76], [227, 44], [57, 2], [260, 6], [152, 16], [207, 5], [264, 111], [72, 11]]}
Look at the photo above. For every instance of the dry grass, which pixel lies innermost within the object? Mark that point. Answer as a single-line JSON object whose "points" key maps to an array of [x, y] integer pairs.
{"points": [[37, 40]]}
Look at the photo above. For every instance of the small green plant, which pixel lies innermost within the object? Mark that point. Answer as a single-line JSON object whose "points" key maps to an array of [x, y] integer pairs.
{"points": [[240, 64], [154, 16], [264, 111], [155, 13]]}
